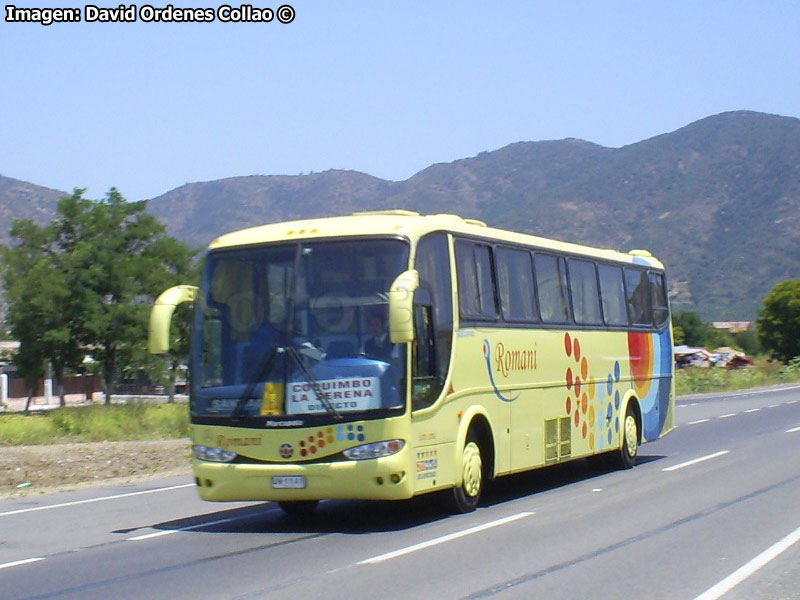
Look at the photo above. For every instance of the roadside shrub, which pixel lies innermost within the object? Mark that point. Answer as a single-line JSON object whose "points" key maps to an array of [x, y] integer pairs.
{"points": [[17, 429], [97, 423], [697, 380], [792, 370]]}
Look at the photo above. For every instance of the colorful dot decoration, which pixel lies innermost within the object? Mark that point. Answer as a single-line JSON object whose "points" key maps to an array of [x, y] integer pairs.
{"points": [[316, 442], [350, 433], [592, 405], [579, 384]]}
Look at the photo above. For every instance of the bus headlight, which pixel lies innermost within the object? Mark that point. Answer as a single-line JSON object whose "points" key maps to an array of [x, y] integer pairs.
{"points": [[375, 450], [213, 454]]}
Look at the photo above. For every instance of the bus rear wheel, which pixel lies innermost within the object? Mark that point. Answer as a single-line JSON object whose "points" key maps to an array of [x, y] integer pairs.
{"points": [[298, 508], [466, 496], [626, 455]]}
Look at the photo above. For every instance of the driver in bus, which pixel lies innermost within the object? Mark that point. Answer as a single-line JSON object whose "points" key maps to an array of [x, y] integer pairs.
{"points": [[379, 345]]}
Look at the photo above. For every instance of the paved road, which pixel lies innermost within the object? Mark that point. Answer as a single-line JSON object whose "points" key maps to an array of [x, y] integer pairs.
{"points": [[710, 511]]}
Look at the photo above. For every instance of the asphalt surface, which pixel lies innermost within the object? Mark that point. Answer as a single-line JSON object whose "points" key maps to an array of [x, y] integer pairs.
{"points": [[710, 511]]}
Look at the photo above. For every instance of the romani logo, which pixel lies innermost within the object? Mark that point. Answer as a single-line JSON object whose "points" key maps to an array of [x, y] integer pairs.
{"points": [[226, 442], [487, 355], [506, 361]]}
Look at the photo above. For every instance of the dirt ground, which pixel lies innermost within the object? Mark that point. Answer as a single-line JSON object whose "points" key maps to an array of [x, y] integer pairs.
{"points": [[26, 470]]}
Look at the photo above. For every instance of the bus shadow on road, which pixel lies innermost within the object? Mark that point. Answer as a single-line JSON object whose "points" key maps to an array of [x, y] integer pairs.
{"points": [[362, 517], [330, 516], [530, 483]]}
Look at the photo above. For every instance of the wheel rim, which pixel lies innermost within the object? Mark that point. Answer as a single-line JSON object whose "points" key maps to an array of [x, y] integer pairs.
{"points": [[631, 435], [472, 469]]}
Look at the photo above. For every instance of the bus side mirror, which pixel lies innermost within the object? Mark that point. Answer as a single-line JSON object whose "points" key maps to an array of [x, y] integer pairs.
{"points": [[161, 315], [401, 307]]}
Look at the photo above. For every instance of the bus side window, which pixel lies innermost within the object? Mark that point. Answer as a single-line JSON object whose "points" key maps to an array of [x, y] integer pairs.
{"points": [[583, 287], [475, 281], [427, 385], [515, 285], [637, 288], [551, 283], [612, 291], [658, 298], [433, 316]]}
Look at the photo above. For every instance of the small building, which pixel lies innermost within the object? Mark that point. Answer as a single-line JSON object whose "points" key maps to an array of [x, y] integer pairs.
{"points": [[732, 326]]}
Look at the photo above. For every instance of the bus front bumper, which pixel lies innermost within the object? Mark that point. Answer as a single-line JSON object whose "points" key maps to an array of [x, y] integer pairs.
{"points": [[386, 478]]}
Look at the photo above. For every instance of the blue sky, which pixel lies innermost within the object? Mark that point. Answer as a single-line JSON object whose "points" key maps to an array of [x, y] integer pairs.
{"points": [[386, 88]]}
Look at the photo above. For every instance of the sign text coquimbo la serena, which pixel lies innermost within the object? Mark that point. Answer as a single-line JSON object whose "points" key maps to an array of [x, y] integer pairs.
{"points": [[244, 13]]}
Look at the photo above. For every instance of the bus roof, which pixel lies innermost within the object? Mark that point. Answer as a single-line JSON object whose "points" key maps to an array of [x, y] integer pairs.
{"points": [[411, 225]]}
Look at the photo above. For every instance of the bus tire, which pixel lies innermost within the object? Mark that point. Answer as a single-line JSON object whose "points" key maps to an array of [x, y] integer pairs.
{"points": [[298, 508], [466, 496], [629, 446]]}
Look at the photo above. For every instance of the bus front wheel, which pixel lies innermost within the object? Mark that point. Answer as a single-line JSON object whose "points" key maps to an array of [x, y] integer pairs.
{"points": [[466, 496]]}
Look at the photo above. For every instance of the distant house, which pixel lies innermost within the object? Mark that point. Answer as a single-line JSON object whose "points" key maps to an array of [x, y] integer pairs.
{"points": [[7, 352], [732, 326], [8, 348]]}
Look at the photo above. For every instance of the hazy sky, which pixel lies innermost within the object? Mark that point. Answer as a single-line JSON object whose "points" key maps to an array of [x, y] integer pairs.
{"points": [[387, 88]]}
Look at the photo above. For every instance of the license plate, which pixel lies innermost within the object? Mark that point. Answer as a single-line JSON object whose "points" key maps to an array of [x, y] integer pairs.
{"points": [[294, 482]]}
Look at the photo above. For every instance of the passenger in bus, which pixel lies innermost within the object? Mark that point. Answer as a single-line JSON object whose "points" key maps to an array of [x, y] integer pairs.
{"points": [[379, 345]]}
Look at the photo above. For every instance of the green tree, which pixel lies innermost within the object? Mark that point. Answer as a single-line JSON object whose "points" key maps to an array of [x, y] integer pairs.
{"points": [[693, 329], [748, 342], [678, 335], [689, 329], [779, 321], [86, 282], [120, 258], [40, 307], [716, 338]]}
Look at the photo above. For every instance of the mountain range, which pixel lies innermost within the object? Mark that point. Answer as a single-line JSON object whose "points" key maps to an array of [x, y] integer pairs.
{"points": [[718, 201]]}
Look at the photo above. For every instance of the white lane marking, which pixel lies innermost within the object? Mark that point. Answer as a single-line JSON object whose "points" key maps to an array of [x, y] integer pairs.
{"points": [[793, 401], [773, 406], [752, 410], [90, 500], [443, 539], [735, 394], [17, 563], [743, 572], [793, 430], [727, 416], [148, 536], [767, 391], [689, 463], [698, 421]]}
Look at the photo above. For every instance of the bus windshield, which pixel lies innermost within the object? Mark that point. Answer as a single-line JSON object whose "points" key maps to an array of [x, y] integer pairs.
{"points": [[296, 331]]}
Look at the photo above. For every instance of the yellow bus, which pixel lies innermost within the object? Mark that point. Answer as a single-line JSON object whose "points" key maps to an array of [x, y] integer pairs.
{"points": [[387, 354]]}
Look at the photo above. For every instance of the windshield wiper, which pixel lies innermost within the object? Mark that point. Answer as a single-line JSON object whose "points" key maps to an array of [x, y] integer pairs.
{"points": [[266, 366], [265, 369]]}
